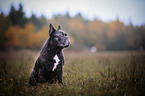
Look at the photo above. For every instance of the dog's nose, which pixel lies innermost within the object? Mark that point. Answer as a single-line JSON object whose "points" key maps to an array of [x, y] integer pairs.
{"points": [[65, 34], [69, 42]]}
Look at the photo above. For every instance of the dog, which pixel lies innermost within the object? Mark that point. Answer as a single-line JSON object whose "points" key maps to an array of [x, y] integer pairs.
{"points": [[49, 65]]}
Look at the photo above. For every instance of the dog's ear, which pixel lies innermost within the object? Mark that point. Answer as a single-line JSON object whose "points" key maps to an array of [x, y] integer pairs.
{"points": [[51, 29], [59, 27]]}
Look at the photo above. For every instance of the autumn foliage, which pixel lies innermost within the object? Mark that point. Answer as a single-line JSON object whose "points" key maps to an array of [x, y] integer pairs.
{"points": [[26, 37], [22, 32]]}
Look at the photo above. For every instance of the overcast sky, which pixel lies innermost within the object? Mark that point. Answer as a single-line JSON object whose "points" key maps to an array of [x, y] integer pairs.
{"points": [[106, 10]]}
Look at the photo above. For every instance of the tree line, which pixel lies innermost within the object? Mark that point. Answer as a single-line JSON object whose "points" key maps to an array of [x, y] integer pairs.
{"points": [[18, 31]]}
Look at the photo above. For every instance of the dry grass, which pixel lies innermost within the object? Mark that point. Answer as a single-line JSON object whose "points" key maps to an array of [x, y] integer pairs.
{"points": [[87, 74]]}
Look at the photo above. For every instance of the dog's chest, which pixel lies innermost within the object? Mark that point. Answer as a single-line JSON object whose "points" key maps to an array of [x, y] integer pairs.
{"points": [[57, 62]]}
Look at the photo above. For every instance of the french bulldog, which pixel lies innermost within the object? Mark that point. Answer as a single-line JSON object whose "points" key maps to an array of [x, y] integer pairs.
{"points": [[49, 65]]}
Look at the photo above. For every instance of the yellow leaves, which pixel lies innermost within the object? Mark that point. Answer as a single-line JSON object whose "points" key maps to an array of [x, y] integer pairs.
{"points": [[13, 35], [76, 24], [27, 37], [115, 28], [40, 37]]}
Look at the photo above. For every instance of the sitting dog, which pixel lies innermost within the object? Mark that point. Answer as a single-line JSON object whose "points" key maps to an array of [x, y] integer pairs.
{"points": [[49, 65]]}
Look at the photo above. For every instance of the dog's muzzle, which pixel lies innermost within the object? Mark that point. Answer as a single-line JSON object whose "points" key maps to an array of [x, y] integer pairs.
{"points": [[68, 43]]}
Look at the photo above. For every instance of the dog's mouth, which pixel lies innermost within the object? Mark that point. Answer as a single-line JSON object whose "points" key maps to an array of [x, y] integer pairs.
{"points": [[66, 46]]}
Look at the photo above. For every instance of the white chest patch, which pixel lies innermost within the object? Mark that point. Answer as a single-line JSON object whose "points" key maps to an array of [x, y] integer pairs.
{"points": [[57, 62]]}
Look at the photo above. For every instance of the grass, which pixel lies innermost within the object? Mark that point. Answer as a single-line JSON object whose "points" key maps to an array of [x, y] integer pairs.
{"points": [[86, 74]]}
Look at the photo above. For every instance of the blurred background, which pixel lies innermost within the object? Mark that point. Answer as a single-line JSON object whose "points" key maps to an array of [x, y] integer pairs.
{"points": [[96, 25]]}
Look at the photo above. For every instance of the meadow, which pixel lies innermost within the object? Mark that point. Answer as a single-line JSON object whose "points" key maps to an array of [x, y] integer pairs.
{"points": [[85, 74]]}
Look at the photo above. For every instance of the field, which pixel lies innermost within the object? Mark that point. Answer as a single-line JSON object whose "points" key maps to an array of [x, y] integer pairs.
{"points": [[85, 74]]}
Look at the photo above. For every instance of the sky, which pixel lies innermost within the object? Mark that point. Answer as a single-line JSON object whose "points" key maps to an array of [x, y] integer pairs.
{"points": [[107, 10]]}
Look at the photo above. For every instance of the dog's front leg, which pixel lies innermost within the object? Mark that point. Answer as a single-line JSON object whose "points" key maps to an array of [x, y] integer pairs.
{"points": [[60, 78], [59, 74]]}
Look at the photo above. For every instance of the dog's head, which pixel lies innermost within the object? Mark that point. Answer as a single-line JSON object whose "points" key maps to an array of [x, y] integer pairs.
{"points": [[58, 37]]}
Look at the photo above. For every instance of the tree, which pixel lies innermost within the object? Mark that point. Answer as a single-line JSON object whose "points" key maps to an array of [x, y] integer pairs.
{"points": [[4, 24], [17, 17], [38, 22]]}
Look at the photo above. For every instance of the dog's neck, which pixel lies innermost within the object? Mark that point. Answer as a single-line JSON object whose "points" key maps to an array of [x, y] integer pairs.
{"points": [[50, 51]]}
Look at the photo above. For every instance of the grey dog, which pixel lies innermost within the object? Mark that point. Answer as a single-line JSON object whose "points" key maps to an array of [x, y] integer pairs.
{"points": [[49, 65]]}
